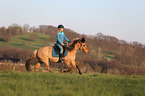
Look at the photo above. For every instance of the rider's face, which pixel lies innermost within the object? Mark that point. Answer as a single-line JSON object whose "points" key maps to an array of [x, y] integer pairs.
{"points": [[61, 29]]}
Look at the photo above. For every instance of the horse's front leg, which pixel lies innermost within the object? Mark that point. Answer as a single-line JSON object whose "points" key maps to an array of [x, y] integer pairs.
{"points": [[68, 65], [76, 66]]}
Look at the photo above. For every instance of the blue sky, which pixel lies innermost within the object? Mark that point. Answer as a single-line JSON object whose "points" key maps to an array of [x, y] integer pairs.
{"points": [[124, 19]]}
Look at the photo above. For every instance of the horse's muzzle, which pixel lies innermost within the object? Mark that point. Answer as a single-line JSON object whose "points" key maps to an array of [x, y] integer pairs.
{"points": [[86, 51]]}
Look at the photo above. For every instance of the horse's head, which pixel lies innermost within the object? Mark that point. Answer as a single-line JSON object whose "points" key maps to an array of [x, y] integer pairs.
{"points": [[83, 46], [79, 44]]}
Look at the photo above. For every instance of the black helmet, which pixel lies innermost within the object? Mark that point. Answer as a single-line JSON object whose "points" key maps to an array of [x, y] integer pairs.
{"points": [[60, 26]]}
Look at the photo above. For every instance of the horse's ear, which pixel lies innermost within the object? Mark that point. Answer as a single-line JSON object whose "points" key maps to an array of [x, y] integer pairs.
{"points": [[83, 40], [77, 41]]}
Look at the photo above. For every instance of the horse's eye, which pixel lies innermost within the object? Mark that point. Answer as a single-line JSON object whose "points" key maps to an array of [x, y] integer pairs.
{"points": [[84, 45]]}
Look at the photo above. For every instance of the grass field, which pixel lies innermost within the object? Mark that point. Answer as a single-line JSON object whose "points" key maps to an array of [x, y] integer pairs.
{"points": [[23, 41], [70, 84]]}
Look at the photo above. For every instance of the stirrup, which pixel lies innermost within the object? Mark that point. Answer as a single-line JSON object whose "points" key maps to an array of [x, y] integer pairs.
{"points": [[60, 61]]}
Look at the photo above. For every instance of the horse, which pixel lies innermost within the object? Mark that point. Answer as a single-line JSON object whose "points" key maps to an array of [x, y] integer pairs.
{"points": [[44, 56]]}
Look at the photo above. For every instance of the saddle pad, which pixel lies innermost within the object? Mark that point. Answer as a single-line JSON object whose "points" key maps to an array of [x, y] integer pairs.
{"points": [[54, 54]]}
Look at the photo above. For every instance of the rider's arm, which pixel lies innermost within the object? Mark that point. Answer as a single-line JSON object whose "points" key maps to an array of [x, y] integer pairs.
{"points": [[66, 38]]}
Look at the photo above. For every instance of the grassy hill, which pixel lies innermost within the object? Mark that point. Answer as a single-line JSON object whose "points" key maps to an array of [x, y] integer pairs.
{"points": [[37, 40], [28, 41]]}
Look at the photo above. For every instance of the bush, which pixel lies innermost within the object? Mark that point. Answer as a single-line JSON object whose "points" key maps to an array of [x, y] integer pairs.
{"points": [[33, 37], [5, 38], [112, 67], [15, 53]]}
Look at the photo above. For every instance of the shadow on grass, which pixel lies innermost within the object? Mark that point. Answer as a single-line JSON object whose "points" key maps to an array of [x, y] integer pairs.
{"points": [[26, 39], [42, 38]]}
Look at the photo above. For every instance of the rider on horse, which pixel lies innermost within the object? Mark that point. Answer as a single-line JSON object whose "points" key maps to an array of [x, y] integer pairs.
{"points": [[59, 43]]}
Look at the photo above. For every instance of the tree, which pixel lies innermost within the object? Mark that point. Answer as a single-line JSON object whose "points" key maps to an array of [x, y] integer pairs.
{"points": [[25, 28], [43, 29], [14, 29], [3, 30]]}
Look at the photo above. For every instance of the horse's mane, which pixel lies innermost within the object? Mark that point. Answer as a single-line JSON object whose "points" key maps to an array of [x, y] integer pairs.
{"points": [[72, 44]]}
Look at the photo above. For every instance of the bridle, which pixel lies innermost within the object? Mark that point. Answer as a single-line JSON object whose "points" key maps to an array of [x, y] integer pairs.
{"points": [[81, 46]]}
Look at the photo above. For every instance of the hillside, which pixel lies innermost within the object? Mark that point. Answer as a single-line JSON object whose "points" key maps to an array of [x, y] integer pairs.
{"points": [[107, 54], [28, 41], [37, 40]]}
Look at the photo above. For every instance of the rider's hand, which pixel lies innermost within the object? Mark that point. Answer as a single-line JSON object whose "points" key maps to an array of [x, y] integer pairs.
{"points": [[62, 44]]}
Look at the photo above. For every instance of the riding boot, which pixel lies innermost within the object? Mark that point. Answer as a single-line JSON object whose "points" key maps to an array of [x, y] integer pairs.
{"points": [[61, 59]]}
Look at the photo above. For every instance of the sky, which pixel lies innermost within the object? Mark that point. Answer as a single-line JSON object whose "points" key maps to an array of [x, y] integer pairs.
{"points": [[124, 19]]}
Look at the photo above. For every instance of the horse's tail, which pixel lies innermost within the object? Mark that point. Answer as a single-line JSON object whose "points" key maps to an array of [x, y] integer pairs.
{"points": [[30, 60]]}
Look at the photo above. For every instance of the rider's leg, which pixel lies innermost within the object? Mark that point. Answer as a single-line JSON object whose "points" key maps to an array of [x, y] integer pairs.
{"points": [[61, 50], [61, 53]]}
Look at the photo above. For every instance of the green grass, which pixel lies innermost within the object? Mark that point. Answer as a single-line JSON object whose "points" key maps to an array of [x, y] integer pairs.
{"points": [[60, 84], [109, 54], [26, 37], [24, 41]]}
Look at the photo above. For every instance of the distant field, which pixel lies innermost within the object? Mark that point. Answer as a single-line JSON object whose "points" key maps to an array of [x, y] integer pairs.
{"points": [[24, 41], [70, 84]]}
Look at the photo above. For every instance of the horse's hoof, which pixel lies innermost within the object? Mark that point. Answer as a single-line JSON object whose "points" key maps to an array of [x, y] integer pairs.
{"points": [[64, 71], [80, 73], [51, 71]]}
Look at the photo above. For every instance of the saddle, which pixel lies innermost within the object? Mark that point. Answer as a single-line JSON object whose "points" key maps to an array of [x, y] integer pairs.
{"points": [[56, 51]]}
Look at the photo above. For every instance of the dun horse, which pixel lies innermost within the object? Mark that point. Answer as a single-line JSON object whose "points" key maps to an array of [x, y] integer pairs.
{"points": [[44, 56]]}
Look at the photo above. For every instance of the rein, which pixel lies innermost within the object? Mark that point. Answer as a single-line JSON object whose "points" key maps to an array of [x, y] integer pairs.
{"points": [[73, 48]]}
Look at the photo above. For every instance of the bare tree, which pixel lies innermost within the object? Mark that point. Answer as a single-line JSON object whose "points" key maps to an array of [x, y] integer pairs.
{"points": [[25, 28]]}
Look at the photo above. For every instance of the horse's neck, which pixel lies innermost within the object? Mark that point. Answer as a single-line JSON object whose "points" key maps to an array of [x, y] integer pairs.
{"points": [[76, 46], [73, 47], [72, 52]]}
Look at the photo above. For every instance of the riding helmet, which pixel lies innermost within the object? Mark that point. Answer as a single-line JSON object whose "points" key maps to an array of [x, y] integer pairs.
{"points": [[60, 26]]}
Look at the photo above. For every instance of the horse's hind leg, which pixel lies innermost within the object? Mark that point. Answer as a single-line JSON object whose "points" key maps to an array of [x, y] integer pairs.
{"points": [[36, 66], [47, 67], [46, 62]]}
